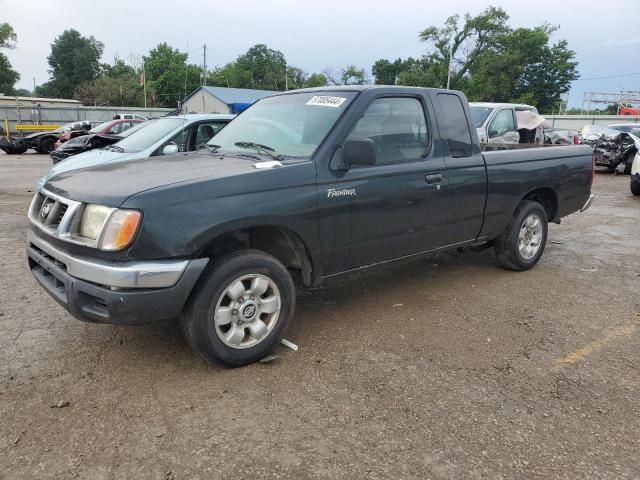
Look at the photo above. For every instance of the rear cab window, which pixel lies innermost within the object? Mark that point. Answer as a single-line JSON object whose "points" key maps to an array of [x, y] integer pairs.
{"points": [[453, 125]]}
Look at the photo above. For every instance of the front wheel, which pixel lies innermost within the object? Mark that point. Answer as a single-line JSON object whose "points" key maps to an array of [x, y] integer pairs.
{"points": [[635, 187], [240, 309], [522, 243]]}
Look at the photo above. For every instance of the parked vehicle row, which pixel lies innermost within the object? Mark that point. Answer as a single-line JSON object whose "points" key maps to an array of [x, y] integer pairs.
{"points": [[162, 136], [301, 187], [47, 141]]}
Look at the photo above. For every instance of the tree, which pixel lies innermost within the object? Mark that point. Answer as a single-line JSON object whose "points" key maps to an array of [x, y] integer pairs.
{"points": [[463, 42], [74, 59], [8, 76], [489, 61], [169, 76], [261, 68], [350, 75], [353, 75], [118, 85], [315, 80], [524, 68]]}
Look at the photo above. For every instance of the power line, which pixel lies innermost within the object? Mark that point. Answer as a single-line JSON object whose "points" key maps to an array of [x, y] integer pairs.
{"points": [[608, 76]]}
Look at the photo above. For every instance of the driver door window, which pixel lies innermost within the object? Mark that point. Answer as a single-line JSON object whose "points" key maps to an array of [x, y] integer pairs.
{"points": [[502, 123], [398, 128], [181, 140], [206, 131]]}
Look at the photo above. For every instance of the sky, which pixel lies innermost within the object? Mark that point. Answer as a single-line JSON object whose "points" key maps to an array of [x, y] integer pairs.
{"points": [[317, 35]]}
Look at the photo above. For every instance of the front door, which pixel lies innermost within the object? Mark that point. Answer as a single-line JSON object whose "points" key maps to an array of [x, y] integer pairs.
{"points": [[393, 208]]}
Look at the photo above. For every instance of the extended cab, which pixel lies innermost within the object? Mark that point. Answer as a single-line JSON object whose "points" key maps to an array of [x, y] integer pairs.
{"points": [[301, 187]]}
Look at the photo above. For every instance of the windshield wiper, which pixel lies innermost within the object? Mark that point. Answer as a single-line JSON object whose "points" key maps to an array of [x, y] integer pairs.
{"points": [[259, 148], [211, 148]]}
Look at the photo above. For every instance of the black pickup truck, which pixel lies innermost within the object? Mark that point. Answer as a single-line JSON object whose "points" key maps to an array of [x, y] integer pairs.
{"points": [[301, 187]]}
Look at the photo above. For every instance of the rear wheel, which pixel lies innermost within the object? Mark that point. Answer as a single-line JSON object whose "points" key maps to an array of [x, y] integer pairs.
{"points": [[635, 187], [522, 243], [46, 145], [241, 308]]}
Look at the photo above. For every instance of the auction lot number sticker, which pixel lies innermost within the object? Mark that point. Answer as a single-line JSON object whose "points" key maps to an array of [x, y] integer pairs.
{"points": [[326, 101]]}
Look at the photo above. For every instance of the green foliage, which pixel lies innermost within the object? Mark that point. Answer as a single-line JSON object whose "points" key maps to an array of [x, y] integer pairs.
{"points": [[353, 75], [74, 59], [8, 37], [315, 80], [489, 61], [8, 76], [522, 67], [118, 85], [168, 76]]}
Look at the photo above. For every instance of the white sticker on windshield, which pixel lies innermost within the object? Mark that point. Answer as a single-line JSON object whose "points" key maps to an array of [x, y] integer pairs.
{"points": [[326, 101]]}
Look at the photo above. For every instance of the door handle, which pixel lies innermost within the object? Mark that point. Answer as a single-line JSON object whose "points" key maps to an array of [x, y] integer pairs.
{"points": [[434, 178]]}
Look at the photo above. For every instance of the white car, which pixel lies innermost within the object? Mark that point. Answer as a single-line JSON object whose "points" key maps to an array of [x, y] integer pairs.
{"points": [[635, 170], [163, 136], [500, 122]]}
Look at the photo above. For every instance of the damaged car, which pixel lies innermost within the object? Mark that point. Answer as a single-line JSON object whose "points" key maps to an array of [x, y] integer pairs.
{"points": [[101, 136], [613, 149], [42, 142], [507, 123]]}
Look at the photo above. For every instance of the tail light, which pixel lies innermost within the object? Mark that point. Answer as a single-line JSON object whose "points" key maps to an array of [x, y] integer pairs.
{"points": [[576, 140]]}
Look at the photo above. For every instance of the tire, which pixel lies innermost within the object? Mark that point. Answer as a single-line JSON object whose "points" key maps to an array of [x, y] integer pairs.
{"points": [[45, 145], [215, 324], [635, 187], [628, 161], [508, 249]]}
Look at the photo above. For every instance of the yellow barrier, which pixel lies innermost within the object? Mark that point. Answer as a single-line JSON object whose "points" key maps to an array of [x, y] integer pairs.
{"points": [[36, 128]]}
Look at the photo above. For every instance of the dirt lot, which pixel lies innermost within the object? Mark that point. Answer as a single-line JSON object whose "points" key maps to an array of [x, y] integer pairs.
{"points": [[447, 368]]}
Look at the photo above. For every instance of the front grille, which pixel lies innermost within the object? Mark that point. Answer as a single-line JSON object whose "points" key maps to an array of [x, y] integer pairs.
{"points": [[48, 211]]}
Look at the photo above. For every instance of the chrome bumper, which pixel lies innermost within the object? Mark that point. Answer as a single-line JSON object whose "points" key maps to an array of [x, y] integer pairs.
{"points": [[588, 203], [153, 274]]}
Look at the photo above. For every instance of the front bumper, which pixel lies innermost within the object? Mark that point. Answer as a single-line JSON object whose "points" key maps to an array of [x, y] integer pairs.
{"points": [[588, 202], [58, 155], [119, 293]]}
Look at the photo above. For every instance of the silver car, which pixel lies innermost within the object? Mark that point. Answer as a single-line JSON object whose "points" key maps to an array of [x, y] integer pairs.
{"points": [[163, 136]]}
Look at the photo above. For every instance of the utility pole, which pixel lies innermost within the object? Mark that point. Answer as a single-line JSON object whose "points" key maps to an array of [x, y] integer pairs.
{"points": [[204, 64], [449, 69], [34, 86]]}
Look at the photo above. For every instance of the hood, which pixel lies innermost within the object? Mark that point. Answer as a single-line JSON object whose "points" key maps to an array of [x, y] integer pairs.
{"points": [[112, 183], [85, 160]]}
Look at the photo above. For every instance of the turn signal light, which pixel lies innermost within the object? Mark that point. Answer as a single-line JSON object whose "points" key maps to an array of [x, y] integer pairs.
{"points": [[122, 227]]}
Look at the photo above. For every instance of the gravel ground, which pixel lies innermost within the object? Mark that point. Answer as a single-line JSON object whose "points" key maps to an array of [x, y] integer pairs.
{"points": [[446, 368]]}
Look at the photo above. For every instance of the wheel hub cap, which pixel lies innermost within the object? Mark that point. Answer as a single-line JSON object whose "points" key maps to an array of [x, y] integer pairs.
{"points": [[530, 236], [247, 311]]}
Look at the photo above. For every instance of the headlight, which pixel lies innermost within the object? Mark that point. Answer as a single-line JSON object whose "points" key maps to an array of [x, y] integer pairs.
{"points": [[93, 219], [111, 228]]}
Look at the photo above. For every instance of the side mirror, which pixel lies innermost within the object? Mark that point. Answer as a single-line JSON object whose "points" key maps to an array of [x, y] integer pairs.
{"points": [[493, 133], [170, 149], [358, 151]]}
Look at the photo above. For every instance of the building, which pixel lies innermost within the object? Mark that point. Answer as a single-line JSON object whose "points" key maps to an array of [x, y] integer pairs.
{"points": [[28, 102], [221, 99]]}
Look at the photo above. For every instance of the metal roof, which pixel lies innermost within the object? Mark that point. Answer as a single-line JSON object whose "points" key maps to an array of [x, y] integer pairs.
{"points": [[235, 95]]}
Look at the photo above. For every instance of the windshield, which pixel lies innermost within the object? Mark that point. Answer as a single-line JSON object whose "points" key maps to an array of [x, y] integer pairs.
{"points": [[291, 125], [102, 126], [152, 132], [135, 128], [480, 114], [69, 126]]}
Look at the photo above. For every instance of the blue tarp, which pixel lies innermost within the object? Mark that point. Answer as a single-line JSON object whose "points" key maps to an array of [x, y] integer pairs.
{"points": [[239, 107]]}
